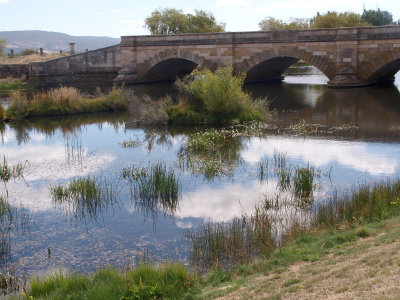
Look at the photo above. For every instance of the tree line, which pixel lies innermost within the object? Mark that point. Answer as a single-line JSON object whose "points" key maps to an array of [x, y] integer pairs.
{"points": [[174, 21]]}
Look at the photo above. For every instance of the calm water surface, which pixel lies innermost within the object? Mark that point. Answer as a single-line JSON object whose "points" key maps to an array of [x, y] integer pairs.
{"points": [[56, 150]]}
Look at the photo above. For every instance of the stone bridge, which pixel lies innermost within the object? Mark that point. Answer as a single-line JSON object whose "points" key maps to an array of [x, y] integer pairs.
{"points": [[349, 57]]}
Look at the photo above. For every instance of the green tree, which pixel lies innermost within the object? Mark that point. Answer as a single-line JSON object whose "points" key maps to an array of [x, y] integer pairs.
{"points": [[333, 19], [270, 23], [173, 21], [377, 17], [2, 46]]}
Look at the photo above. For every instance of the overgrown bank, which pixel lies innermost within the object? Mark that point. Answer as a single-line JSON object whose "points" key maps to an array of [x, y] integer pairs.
{"points": [[64, 101]]}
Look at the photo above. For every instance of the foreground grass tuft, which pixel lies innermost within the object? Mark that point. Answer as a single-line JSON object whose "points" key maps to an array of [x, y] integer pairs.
{"points": [[168, 281]]}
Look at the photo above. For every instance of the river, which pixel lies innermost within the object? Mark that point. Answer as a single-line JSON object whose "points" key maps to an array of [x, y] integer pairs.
{"points": [[55, 150]]}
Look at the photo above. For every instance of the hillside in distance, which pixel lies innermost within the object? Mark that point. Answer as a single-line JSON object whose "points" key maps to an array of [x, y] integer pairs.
{"points": [[53, 41]]}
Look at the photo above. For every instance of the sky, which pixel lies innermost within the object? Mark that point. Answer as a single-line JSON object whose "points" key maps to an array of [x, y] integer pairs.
{"points": [[126, 17]]}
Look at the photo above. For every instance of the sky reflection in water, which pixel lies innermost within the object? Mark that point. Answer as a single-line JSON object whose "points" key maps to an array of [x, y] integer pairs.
{"points": [[122, 231]]}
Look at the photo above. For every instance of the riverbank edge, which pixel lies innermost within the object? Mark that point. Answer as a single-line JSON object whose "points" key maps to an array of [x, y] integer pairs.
{"points": [[250, 281]]}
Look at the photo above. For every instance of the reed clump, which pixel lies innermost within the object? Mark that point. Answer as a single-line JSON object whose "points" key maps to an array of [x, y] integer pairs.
{"points": [[154, 187], [8, 85], [64, 101], [87, 195], [216, 97], [2, 114]]}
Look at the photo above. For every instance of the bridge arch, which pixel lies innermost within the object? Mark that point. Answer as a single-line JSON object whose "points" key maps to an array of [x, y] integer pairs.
{"points": [[271, 64], [385, 72], [170, 64]]}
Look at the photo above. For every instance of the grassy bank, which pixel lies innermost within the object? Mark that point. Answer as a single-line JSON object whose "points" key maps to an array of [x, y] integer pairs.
{"points": [[246, 259], [10, 84], [65, 101]]}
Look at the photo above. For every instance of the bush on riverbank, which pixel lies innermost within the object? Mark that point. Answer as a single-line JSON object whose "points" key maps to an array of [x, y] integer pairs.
{"points": [[215, 98], [64, 101]]}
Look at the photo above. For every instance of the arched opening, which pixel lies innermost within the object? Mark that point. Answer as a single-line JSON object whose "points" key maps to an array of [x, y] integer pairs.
{"points": [[270, 70], [169, 69], [278, 68], [386, 73]]}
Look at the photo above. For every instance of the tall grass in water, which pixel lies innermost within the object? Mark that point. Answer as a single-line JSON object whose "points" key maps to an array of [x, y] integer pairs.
{"points": [[8, 173], [243, 239], [154, 187], [303, 181], [88, 196], [64, 101]]}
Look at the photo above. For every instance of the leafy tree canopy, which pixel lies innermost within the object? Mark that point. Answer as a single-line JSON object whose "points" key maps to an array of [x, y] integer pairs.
{"points": [[331, 19], [377, 17], [173, 21]]}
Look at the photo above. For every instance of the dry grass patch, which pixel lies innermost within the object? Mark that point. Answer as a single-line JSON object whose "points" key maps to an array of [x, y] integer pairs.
{"points": [[366, 272], [26, 59]]}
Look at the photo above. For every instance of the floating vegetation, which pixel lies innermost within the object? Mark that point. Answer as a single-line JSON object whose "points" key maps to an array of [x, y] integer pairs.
{"points": [[88, 195], [154, 187], [304, 128], [130, 143], [209, 168]]}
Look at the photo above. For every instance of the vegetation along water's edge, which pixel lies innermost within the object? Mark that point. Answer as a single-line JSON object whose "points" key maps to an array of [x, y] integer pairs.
{"points": [[344, 248]]}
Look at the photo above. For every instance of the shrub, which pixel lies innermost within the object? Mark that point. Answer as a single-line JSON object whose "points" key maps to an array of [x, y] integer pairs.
{"points": [[216, 98]]}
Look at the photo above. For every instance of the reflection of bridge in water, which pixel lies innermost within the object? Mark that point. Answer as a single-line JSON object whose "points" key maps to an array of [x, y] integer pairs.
{"points": [[349, 57]]}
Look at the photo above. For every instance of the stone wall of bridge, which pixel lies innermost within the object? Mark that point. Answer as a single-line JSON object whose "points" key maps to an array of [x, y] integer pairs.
{"points": [[349, 57]]}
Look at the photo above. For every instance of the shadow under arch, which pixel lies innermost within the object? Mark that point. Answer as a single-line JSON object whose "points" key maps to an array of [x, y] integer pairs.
{"points": [[386, 72], [169, 69], [272, 69]]}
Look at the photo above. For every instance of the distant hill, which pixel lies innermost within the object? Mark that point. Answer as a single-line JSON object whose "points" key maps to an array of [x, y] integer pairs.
{"points": [[53, 41]]}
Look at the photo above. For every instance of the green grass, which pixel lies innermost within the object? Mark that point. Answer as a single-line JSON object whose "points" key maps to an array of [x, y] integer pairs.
{"points": [[6, 87], [168, 281], [64, 101]]}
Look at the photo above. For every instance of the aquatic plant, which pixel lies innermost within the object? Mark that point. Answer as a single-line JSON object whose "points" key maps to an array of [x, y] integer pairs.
{"points": [[263, 169], [130, 144], [303, 181], [87, 195], [8, 173], [154, 187]]}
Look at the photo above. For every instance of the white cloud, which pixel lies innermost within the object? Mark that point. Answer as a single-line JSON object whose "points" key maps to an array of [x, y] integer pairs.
{"points": [[4, 1], [100, 13], [114, 11], [230, 3], [355, 155]]}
